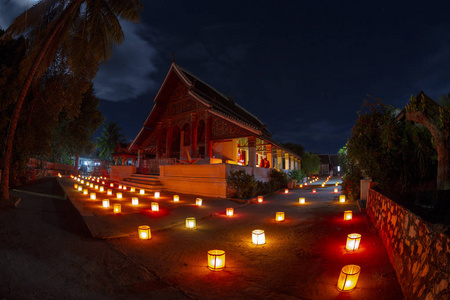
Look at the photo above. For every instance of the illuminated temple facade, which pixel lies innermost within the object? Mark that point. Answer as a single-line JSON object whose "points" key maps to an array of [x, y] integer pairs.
{"points": [[195, 136]]}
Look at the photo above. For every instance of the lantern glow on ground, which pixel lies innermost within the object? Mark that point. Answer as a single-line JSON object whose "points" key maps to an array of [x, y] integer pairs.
{"points": [[260, 199], [348, 215], [105, 203], [279, 216], [176, 198], [230, 211], [198, 201], [258, 237], [191, 223], [117, 208], [134, 201], [353, 240], [93, 196], [216, 260], [342, 198], [348, 278], [119, 195], [301, 200], [155, 206], [144, 232]]}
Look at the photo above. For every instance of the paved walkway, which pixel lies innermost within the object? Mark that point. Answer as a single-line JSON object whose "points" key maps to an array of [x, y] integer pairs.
{"points": [[301, 259]]}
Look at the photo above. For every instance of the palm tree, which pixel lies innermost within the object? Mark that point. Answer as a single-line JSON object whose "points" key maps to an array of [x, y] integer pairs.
{"points": [[108, 140], [82, 30]]}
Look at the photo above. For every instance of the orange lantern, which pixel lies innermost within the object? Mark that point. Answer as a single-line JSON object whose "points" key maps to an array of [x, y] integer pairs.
{"points": [[144, 232], [342, 198], [85, 192], [176, 198], [111, 184], [134, 201], [230, 211], [216, 260], [348, 215], [260, 199], [301, 185], [198, 201], [103, 182], [117, 208], [336, 190], [132, 189], [314, 191], [191, 223], [155, 206], [348, 278], [306, 183], [286, 191], [258, 237], [93, 196], [353, 241], [75, 186], [301, 200], [157, 195], [105, 203], [279, 216], [109, 192]]}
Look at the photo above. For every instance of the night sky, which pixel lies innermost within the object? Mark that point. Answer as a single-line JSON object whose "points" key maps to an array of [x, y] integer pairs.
{"points": [[303, 67]]}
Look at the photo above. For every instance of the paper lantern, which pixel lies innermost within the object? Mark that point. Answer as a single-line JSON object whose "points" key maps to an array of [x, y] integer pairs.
{"points": [[103, 182], [101, 188], [176, 198], [109, 192], [132, 189], [323, 184], [260, 199], [314, 191], [78, 179], [348, 214], [134, 201], [93, 196], [120, 187], [258, 237], [286, 191], [348, 278], [117, 208], [336, 184], [119, 195], [88, 184], [105, 203], [157, 195], [198, 201], [111, 184], [80, 188], [306, 183], [75, 186], [342, 198], [155, 206], [85, 192], [142, 192], [216, 260], [144, 232], [279, 216], [301, 200], [91, 185], [353, 240], [124, 188], [230, 211], [71, 176], [336, 190], [191, 223], [301, 185], [96, 187], [98, 180]]}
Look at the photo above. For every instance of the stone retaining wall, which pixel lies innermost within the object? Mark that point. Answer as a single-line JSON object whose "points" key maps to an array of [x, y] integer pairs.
{"points": [[418, 250]]}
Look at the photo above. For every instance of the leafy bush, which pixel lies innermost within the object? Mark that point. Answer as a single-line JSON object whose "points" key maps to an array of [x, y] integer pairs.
{"points": [[278, 179], [296, 175], [350, 186], [242, 185]]}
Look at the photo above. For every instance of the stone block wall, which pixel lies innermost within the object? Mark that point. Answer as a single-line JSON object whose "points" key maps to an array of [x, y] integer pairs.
{"points": [[418, 250]]}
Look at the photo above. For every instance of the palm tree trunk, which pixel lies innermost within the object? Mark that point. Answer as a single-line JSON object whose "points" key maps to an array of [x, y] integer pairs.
{"points": [[4, 184]]}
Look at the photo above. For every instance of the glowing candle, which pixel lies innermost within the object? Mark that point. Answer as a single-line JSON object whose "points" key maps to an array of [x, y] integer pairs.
{"points": [[353, 241], [198, 201], [85, 192], [286, 191], [144, 232], [157, 195], [117, 208], [93, 196], [342, 198], [119, 195], [111, 184], [142, 192], [109, 192], [101, 188], [258, 237], [120, 186], [230, 211], [348, 214], [176, 198], [191, 223], [301, 200], [260, 199], [155, 206], [132, 189], [348, 278], [314, 191], [80, 188], [105, 203], [279, 216], [96, 187], [75, 186], [336, 190], [216, 260]]}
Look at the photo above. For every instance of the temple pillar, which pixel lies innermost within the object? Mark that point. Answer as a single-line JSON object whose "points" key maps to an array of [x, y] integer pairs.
{"points": [[138, 165], [295, 163], [286, 161], [169, 138], [193, 149], [158, 140], [279, 162], [269, 154], [208, 132], [252, 151], [291, 162]]}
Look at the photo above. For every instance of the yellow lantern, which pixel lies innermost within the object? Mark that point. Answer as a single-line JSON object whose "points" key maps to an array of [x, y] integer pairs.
{"points": [[144, 232], [342, 198], [157, 195], [132, 189], [191, 223], [119, 195], [176, 198], [301, 185], [260, 199], [96, 187], [258, 237], [230, 211], [198, 201], [134, 201], [82, 181], [155, 206], [348, 278], [88, 184], [301, 200], [85, 192], [93, 196], [323, 184], [111, 184], [314, 191], [353, 241], [80, 188], [216, 260], [279, 216], [348, 215], [75, 186], [336, 184], [101, 188], [286, 191], [105, 204], [120, 186], [142, 192], [109, 192], [117, 208], [91, 185]]}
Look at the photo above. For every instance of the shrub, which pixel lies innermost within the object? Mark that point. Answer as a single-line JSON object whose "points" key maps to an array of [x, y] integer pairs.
{"points": [[278, 179], [296, 175], [242, 185]]}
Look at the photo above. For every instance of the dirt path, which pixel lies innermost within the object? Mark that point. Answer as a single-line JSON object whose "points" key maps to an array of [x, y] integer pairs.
{"points": [[46, 252]]}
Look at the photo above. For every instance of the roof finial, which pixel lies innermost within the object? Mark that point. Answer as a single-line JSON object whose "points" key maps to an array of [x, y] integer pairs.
{"points": [[173, 57]]}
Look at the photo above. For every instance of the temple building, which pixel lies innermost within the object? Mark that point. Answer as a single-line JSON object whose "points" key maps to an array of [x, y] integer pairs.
{"points": [[195, 136]]}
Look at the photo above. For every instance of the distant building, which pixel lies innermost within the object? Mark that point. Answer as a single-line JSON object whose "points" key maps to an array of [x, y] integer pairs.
{"points": [[329, 164]]}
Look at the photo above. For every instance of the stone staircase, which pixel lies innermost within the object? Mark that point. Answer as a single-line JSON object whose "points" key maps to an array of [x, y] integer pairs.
{"points": [[150, 183]]}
